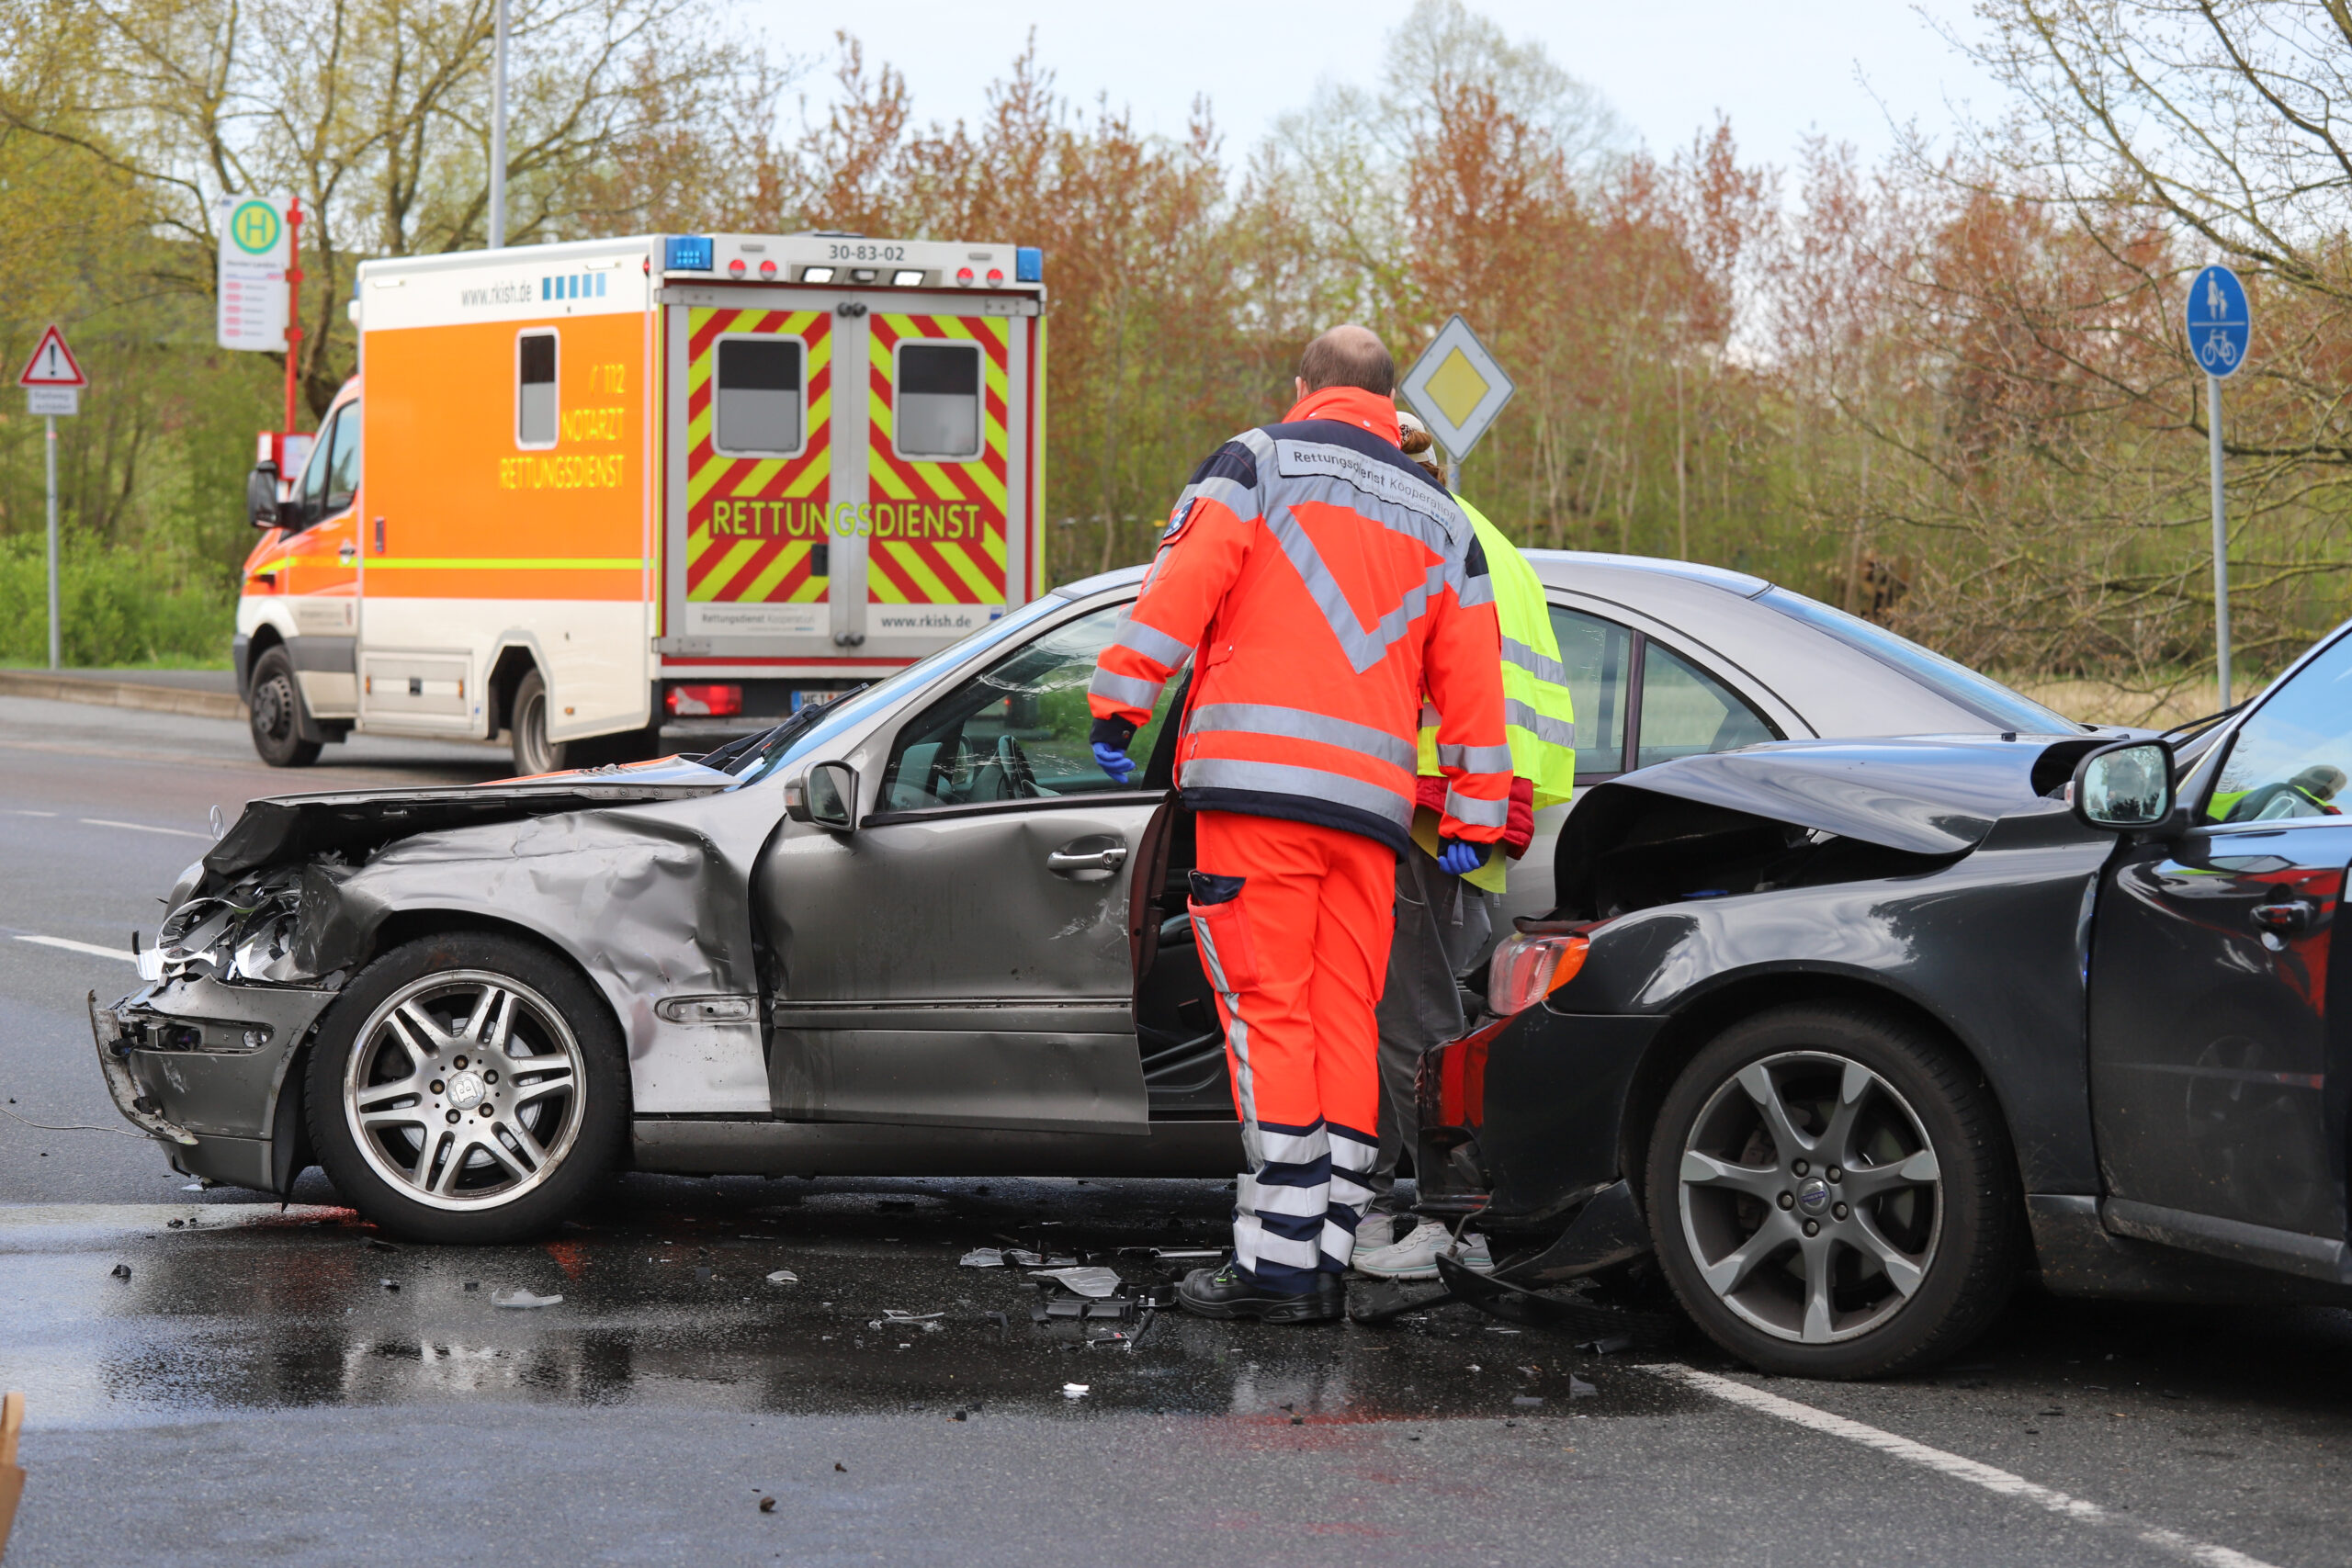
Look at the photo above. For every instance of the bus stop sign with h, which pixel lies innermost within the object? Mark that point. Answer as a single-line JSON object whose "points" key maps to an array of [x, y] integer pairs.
{"points": [[2220, 331]]}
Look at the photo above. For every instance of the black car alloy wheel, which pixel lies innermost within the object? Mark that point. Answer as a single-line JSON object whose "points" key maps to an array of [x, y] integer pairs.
{"points": [[467, 1088], [1832, 1195]]}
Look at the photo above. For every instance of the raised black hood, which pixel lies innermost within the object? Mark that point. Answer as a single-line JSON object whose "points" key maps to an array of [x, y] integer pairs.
{"points": [[297, 827], [1798, 811]]}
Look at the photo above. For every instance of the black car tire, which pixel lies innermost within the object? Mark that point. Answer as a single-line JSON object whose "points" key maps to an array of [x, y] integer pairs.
{"points": [[527, 728], [274, 712], [581, 1076], [1921, 1091]]}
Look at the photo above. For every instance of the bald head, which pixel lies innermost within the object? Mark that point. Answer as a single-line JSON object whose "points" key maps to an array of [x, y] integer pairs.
{"points": [[1346, 356]]}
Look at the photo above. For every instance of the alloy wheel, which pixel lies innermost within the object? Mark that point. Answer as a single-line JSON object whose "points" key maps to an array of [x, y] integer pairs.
{"points": [[1811, 1197], [465, 1090]]}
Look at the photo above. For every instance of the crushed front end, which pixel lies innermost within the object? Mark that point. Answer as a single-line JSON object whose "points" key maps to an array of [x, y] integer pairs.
{"points": [[197, 1057]]}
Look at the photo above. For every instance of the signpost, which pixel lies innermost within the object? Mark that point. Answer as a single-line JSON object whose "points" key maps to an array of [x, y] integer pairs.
{"points": [[1457, 388], [2220, 329], [260, 280], [52, 381]]}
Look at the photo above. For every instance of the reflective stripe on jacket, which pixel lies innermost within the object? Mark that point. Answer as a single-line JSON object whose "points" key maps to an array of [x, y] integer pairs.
{"points": [[1539, 715], [1325, 582]]}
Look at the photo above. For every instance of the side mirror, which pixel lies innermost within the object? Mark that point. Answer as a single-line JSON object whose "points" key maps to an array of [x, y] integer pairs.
{"points": [[2124, 788], [825, 795], [261, 496]]}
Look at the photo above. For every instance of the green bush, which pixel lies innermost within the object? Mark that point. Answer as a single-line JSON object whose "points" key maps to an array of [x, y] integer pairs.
{"points": [[121, 607]]}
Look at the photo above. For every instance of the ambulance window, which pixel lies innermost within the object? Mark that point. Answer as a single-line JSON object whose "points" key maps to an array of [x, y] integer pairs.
{"points": [[939, 400], [313, 490], [758, 397], [535, 390], [342, 462]]}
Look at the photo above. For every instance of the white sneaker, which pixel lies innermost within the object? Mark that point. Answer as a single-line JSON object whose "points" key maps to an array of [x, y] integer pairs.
{"points": [[1375, 1231], [1413, 1257], [1472, 1253]]}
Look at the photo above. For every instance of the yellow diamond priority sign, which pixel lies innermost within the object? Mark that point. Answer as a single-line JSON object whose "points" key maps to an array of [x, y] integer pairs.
{"points": [[1456, 388]]}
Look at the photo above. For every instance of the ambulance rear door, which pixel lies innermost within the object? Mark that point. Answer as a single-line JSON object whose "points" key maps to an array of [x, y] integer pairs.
{"points": [[755, 478], [948, 533]]}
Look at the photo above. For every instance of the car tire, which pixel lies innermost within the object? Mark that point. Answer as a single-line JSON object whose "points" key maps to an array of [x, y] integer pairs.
{"points": [[528, 730], [1898, 1160], [274, 712], [469, 1088]]}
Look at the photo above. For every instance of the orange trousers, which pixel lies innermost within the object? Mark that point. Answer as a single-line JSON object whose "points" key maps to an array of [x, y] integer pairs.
{"points": [[1293, 921]]}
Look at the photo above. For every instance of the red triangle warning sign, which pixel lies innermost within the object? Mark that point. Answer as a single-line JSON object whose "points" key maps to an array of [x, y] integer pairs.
{"points": [[53, 364]]}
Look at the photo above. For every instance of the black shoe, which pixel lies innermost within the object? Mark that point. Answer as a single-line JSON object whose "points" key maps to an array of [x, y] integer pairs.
{"points": [[1229, 1292]]}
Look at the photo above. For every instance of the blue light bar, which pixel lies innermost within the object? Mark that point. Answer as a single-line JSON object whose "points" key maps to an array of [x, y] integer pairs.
{"points": [[1028, 265], [688, 253]]}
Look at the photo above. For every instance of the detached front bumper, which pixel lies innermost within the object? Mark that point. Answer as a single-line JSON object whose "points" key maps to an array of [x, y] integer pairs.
{"points": [[204, 1069]]}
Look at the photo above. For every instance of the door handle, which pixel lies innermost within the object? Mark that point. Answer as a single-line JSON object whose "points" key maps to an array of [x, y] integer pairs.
{"points": [[2290, 915], [1063, 862]]}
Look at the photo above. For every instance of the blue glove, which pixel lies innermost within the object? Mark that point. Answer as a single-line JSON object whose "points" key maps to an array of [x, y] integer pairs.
{"points": [[1114, 762], [1458, 859]]}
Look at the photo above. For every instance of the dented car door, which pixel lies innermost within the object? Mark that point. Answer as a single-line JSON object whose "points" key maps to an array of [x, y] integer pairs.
{"points": [[961, 956]]}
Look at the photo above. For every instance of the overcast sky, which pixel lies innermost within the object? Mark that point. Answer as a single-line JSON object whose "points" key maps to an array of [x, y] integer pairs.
{"points": [[1780, 68]]}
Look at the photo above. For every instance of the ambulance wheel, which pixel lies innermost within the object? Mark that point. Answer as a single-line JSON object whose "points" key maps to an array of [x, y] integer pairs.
{"points": [[274, 712], [534, 752]]}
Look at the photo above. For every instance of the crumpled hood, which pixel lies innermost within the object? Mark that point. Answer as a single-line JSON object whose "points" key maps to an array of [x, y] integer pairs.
{"points": [[302, 826], [1927, 794]]}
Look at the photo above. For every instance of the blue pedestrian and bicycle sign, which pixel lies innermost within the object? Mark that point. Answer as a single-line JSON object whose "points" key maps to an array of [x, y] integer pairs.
{"points": [[2220, 323]]}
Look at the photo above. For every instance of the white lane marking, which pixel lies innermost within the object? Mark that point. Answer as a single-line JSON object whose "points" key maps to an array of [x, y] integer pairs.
{"points": [[2000, 1482], [70, 945], [144, 828]]}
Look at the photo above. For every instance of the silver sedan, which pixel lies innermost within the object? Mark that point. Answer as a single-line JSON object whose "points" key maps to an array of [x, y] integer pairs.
{"points": [[916, 931]]}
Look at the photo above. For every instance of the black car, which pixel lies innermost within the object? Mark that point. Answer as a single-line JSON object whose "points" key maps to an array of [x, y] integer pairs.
{"points": [[1842, 1036]]}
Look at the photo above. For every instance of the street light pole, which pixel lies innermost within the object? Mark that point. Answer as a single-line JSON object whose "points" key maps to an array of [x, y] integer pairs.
{"points": [[498, 132], [2220, 542]]}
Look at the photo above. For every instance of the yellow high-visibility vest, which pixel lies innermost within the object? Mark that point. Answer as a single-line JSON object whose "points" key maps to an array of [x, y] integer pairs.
{"points": [[1539, 718]]}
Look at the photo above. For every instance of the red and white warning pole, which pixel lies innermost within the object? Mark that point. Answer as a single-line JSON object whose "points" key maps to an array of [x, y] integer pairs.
{"points": [[293, 305]]}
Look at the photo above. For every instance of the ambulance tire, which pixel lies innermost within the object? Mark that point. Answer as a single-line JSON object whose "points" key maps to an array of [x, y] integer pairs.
{"points": [[528, 729], [274, 712]]}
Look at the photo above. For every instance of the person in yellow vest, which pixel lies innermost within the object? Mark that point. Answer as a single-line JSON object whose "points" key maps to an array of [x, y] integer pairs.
{"points": [[1446, 893]]}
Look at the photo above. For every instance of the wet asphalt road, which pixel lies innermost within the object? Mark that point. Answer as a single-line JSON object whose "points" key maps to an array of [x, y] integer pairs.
{"points": [[269, 1385]]}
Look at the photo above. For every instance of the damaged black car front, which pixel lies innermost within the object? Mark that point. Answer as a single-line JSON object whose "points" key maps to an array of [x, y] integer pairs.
{"points": [[1804, 1031]]}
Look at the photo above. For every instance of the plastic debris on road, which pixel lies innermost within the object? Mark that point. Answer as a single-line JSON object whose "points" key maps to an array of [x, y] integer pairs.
{"points": [[1579, 1389], [523, 1299], [982, 1257], [1608, 1346], [784, 1277], [1075, 1390], [893, 1318], [1088, 1280]]}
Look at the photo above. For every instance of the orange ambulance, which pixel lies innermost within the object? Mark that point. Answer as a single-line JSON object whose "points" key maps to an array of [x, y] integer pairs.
{"points": [[607, 495]]}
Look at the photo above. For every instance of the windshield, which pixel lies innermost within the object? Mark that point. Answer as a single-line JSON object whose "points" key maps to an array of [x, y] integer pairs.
{"points": [[1954, 682], [763, 754]]}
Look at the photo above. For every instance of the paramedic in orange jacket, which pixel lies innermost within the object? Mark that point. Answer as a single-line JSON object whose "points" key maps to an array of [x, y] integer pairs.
{"points": [[1322, 584]]}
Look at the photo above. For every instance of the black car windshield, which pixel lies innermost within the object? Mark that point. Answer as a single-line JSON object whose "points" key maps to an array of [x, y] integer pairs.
{"points": [[765, 754], [1954, 682]]}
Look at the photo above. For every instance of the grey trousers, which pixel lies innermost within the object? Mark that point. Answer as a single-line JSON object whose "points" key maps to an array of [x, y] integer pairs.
{"points": [[1443, 923]]}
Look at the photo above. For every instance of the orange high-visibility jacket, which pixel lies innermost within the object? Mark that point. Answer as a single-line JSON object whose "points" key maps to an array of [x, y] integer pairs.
{"points": [[1326, 583]]}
